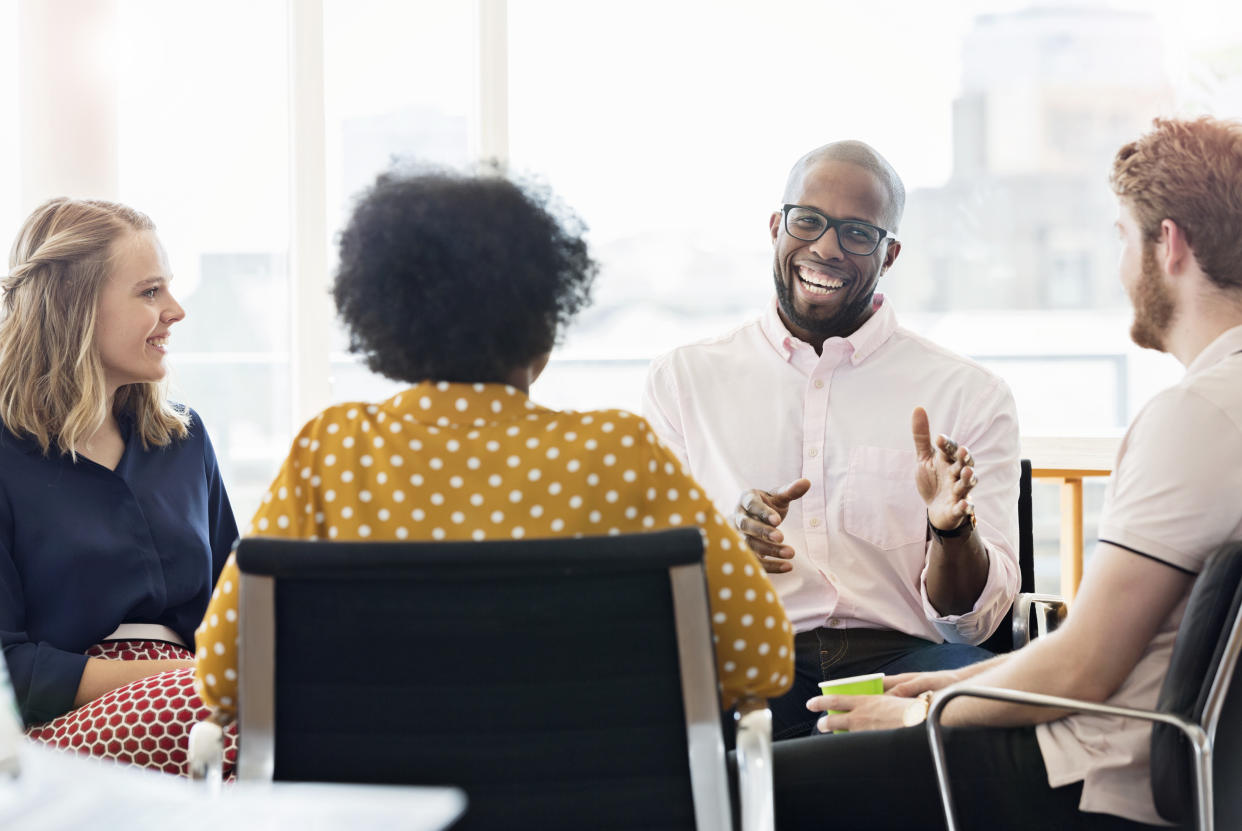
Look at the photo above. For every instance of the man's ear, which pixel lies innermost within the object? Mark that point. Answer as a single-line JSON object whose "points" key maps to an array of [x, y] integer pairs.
{"points": [[774, 225], [1174, 249], [890, 256]]}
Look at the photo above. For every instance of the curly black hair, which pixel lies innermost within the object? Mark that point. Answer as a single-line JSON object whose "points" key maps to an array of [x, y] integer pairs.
{"points": [[457, 277]]}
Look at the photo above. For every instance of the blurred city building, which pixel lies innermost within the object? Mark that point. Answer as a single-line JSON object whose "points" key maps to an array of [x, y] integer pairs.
{"points": [[1048, 95]]}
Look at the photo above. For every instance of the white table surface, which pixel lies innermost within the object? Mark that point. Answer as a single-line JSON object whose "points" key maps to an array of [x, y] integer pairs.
{"points": [[56, 791]]}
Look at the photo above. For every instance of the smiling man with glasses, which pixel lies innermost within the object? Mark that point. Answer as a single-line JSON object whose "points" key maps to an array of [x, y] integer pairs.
{"points": [[892, 551]]}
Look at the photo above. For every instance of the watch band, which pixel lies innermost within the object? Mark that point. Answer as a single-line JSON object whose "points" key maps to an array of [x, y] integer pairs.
{"points": [[965, 527], [917, 710]]}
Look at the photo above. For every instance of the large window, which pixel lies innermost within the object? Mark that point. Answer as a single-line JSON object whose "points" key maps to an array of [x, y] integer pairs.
{"points": [[669, 127], [399, 86], [202, 131], [181, 111], [10, 97]]}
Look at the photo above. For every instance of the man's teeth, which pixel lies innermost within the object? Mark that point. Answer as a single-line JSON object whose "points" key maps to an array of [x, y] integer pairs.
{"points": [[818, 282]]}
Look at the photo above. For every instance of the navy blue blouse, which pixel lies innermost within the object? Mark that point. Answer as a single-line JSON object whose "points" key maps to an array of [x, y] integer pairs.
{"points": [[84, 549]]}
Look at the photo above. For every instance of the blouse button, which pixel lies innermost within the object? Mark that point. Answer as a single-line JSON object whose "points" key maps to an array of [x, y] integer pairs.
{"points": [[819, 383], [814, 522], [813, 452]]}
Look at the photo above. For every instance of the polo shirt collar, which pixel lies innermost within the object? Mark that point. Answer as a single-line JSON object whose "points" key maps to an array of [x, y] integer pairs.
{"points": [[1226, 343]]}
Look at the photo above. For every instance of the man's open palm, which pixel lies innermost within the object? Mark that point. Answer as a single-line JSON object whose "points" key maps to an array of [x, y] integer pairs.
{"points": [[945, 474]]}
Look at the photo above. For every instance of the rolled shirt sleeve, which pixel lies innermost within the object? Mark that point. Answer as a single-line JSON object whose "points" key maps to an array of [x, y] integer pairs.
{"points": [[45, 679], [991, 434]]}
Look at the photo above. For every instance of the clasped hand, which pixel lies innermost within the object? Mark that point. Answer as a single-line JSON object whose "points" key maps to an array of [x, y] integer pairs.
{"points": [[944, 476]]}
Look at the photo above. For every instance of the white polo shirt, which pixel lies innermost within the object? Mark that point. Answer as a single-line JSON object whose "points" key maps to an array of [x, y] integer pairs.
{"points": [[1173, 497]]}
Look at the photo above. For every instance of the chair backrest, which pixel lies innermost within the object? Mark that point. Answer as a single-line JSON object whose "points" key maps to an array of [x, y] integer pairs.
{"points": [[1002, 639], [561, 683], [1200, 686]]}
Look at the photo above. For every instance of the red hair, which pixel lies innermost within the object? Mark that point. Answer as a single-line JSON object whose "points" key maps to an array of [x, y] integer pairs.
{"points": [[1189, 171]]}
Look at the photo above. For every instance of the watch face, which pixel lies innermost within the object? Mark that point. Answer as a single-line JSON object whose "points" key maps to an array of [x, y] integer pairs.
{"points": [[916, 712]]}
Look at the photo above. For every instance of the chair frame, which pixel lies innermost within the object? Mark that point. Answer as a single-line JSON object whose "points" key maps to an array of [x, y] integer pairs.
{"points": [[1202, 736], [705, 741], [1049, 609]]}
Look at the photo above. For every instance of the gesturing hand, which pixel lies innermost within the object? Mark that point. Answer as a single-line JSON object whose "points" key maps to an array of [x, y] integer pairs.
{"points": [[757, 515], [945, 475]]}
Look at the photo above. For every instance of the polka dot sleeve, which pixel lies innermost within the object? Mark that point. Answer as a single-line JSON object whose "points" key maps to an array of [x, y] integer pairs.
{"points": [[215, 666], [754, 640]]}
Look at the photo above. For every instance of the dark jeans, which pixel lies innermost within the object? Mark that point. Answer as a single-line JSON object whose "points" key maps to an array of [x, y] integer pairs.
{"points": [[825, 654], [886, 780]]}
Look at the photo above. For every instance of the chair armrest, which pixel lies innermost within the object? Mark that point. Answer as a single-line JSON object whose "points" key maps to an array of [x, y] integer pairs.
{"points": [[754, 764], [1194, 733], [1049, 610], [206, 751]]}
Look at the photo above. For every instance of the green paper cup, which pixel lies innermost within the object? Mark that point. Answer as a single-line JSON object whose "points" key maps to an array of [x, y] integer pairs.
{"points": [[872, 684]]}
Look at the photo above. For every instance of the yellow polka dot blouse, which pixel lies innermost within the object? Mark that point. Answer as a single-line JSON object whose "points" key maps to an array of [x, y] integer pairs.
{"points": [[448, 461]]}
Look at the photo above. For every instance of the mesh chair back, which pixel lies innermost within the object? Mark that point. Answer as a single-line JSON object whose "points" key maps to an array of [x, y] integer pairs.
{"points": [[1026, 530], [1198, 687], [540, 676], [1002, 639]]}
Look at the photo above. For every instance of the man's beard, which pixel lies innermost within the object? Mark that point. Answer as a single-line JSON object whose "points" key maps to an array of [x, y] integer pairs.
{"points": [[846, 318], [1153, 304]]}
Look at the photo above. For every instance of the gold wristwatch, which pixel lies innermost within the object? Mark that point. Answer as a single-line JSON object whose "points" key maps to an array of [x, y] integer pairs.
{"points": [[916, 710]]}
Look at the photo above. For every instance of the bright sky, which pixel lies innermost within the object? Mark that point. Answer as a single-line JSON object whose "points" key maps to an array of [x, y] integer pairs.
{"points": [[636, 112], [737, 90]]}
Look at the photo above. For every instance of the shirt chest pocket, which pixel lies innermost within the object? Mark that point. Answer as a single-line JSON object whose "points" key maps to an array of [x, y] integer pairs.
{"points": [[882, 504]]}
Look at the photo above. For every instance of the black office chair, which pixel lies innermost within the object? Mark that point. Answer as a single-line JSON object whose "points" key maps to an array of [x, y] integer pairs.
{"points": [[1031, 614], [565, 683], [1196, 760]]}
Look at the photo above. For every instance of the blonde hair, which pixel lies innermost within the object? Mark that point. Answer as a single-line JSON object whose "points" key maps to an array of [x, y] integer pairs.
{"points": [[52, 386]]}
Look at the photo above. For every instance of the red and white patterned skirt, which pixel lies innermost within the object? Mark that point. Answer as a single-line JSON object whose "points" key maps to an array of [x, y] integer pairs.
{"points": [[146, 722]]}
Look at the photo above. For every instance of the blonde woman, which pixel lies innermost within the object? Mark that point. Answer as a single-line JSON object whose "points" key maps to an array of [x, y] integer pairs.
{"points": [[114, 522]]}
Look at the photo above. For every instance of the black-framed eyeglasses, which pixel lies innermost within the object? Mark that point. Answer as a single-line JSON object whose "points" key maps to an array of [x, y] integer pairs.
{"points": [[808, 225]]}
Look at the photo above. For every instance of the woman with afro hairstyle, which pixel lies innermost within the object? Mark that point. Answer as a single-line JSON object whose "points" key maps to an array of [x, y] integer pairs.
{"points": [[458, 286]]}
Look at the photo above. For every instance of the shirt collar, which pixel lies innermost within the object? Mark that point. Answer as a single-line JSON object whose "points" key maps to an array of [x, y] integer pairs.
{"points": [[446, 404], [862, 344], [29, 446], [1226, 343]]}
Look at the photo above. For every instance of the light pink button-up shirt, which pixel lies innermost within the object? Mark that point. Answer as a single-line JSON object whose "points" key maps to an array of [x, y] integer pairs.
{"points": [[757, 408]]}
